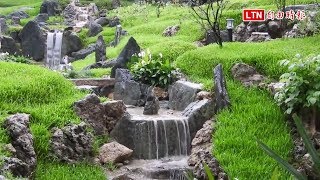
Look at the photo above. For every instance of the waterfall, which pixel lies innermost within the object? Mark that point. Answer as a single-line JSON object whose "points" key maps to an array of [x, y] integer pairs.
{"points": [[54, 43], [165, 138], [179, 140], [156, 138]]}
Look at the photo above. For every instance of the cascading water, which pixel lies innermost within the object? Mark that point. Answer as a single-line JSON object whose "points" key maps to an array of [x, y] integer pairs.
{"points": [[54, 43]]}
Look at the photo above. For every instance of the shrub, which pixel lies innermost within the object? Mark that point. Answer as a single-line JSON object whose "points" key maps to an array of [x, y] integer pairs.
{"points": [[153, 71], [17, 59], [302, 85]]}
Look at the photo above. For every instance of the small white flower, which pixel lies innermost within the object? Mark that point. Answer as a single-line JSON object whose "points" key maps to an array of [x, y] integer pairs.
{"points": [[160, 54], [143, 53]]}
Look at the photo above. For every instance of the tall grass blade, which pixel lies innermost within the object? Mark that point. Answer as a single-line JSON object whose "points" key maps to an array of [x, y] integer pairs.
{"points": [[281, 161], [208, 172], [311, 150]]}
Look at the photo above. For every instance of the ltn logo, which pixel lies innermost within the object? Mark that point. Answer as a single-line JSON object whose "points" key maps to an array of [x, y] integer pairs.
{"points": [[253, 15]]}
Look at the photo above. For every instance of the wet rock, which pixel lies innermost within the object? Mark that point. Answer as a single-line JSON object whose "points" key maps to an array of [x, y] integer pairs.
{"points": [[83, 53], [171, 31], [94, 29], [152, 103], [43, 17], [71, 42], [221, 94], [130, 49], [103, 21], [18, 129], [127, 90], [33, 41], [72, 143], [100, 49], [3, 25], [101, 116], [50, 7], [198, 113], [182, 93], [246, 74], [9, 45], [114, 153], [20, 14]]}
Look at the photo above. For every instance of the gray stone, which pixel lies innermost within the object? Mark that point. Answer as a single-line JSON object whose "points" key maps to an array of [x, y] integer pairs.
{"points": [[114, 152], [72, 143], [15, 166], [20, 14], [198, 113], [2, 177], [210, 38], [100, 49], [83, 53], [259, 37], [103, 13], [9, 45], [116, 4], [171, 31], [50, 7], [103, 21], [274, 29], [182, 93], [43, 17], [3, 25], [94, 29], [246, 74], [152, 105], [33, 41], [101, 116], [220, 86], [70, 14], [71, 42], [18, 129], [130, 49]]}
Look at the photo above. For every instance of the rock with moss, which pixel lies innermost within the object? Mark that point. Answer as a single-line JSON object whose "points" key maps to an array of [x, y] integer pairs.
{"points": [[50, 7], [3, 25]]}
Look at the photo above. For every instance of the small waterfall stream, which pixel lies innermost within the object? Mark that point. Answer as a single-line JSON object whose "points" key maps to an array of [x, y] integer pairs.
{"points": [[162, 138], [54, 44]]}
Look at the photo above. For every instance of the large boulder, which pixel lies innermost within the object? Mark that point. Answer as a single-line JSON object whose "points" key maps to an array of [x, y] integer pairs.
{"points": [[83, 53], [70, 15], [114, 152], [41, 18], [128, 90], [220, 88], [101, 116], [50, 7], [9, 45], [210, 38], [130, 49], [103, 21], [274, 29], [33, 41], [15, 166], [94, 29], [182, 93], [71, 42], [71, 143], [25, 162]]}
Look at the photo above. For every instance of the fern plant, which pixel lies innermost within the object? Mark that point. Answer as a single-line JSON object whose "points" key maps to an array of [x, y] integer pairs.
{"points": [[308, 144]]}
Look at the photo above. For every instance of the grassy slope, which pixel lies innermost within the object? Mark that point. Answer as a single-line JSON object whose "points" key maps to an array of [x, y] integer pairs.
{"points": [[48, 97]]}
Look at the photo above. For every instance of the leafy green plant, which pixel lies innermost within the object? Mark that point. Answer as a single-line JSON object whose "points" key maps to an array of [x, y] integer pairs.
{"points": [[308, 144], [10, 58], [208, 172], [150, 70], [302, 86]]}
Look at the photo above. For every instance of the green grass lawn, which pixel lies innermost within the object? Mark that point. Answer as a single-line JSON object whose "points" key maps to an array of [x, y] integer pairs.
{"points": [[48, 97]]}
